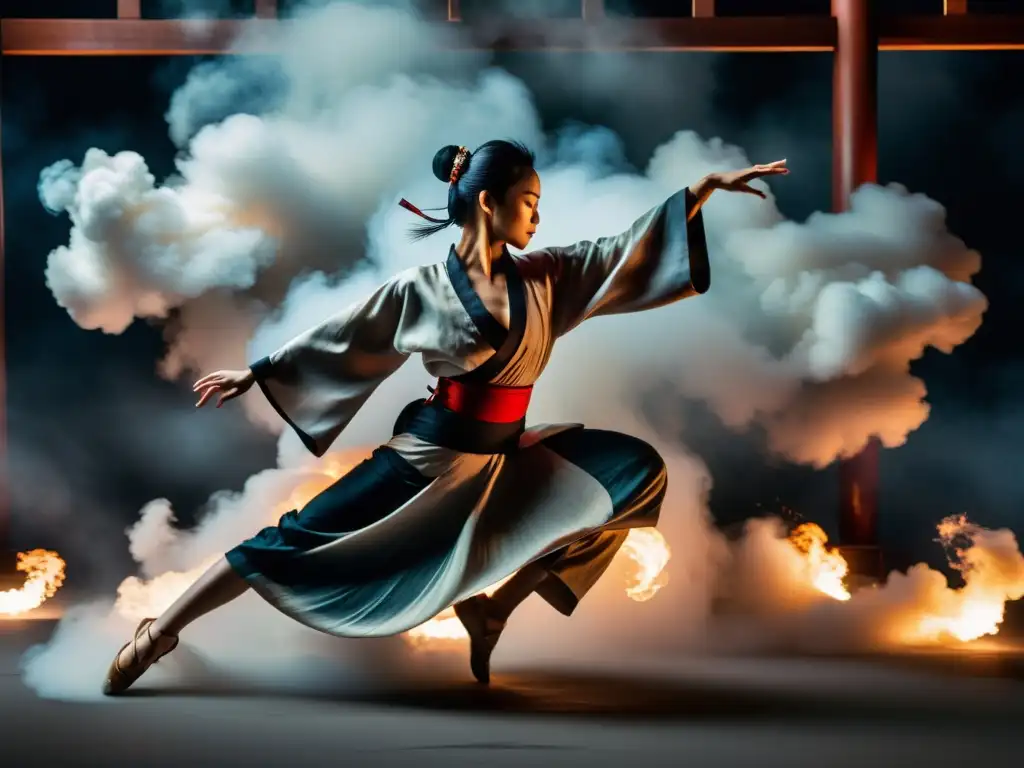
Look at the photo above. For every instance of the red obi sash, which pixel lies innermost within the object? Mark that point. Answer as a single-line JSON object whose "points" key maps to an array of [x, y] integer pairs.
{"points": [[483, 402]]}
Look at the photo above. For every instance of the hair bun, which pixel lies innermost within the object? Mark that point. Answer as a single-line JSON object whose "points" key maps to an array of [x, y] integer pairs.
{"points": [[444, 161]]}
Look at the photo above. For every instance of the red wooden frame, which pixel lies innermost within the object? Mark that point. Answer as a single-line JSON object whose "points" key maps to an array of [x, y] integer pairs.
{"points": [[854, 32]]}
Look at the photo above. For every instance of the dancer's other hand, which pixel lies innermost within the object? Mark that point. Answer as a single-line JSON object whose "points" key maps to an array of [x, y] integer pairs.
{"points": [[230, 384]]}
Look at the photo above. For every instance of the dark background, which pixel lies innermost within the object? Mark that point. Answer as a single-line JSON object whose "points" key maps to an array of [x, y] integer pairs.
{"points": [[95, 434]]}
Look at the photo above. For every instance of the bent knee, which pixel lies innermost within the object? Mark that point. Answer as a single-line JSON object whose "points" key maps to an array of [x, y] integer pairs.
{"points": [[627, 463], [633, 455], [645, 458]]}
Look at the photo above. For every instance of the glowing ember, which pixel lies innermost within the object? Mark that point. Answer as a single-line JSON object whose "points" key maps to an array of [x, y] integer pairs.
{"points": [[44, 575], [826, 568], [647, 548]]}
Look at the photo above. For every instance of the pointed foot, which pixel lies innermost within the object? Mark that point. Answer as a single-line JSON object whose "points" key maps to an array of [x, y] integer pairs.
{"points": [[121, 676], [484, 629]]}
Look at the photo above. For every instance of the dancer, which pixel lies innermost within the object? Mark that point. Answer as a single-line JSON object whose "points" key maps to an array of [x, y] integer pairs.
{"points": [[464, 494]]}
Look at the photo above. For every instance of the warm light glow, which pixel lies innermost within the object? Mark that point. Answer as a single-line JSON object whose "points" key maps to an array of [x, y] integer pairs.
{"points": [[991, 566], [44, 575], [826, 568], [650, 553], [990, 562]]}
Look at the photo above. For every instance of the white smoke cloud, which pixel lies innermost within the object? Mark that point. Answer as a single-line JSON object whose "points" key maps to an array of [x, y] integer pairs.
{"points": [[281, 216]]}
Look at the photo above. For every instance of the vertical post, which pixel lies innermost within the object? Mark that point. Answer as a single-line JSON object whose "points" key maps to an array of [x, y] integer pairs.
{"points": [[129, 9], [266, 9], [954, 7], [855, 162], [5, 479], [593, 10], [454, 10], [702, 9]]}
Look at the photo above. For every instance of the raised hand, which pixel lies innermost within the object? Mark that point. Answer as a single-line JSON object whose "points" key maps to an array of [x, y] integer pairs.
{"points": [[230, 384], [739, 181]]}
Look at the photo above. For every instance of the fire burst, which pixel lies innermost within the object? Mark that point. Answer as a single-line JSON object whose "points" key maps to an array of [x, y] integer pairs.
{"points": [[989, 561], [826, 568], [44, 575]]}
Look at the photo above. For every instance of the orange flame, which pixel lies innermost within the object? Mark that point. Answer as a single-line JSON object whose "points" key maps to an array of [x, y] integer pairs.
{"points": [[993, 573], [991, 564], [44, 575], [826, 568]]}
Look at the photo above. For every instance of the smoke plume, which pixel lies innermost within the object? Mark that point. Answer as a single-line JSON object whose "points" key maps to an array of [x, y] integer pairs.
{"points": [[282, 211]]}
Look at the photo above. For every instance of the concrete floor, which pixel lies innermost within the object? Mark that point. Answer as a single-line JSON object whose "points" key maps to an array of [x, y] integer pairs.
{"points": [[928, 710]]}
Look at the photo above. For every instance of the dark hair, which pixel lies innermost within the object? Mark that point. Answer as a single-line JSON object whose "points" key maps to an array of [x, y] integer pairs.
{"points": [[494, 167]]}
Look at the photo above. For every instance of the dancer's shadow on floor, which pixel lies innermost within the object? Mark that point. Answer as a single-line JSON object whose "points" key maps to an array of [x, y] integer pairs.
{"points": [[596, 694]]}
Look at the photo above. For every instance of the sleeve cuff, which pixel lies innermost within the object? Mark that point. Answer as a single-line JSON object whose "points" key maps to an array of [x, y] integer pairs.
{"points": [[679, 208], [262, 371]]}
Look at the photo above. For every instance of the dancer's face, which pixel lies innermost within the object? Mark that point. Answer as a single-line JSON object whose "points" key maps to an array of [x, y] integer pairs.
{"points": [[515, 219]]}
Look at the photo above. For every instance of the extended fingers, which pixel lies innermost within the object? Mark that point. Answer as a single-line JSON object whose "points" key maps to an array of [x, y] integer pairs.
{"points": [[207, 392], [210, 378], [771, 169], [227, 395]]}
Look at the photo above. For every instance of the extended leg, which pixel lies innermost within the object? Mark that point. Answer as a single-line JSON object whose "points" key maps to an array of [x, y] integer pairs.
{"points": [[364, 495], [218, 586]]}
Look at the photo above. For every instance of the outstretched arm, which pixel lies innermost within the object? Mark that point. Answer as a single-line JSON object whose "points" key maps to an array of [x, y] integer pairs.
{"points": [[660, 259], [319, 380]]}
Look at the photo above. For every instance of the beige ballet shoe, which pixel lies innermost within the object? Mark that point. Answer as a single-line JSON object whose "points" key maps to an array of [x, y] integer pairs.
{"points": [[484, 631], [121, 679]]}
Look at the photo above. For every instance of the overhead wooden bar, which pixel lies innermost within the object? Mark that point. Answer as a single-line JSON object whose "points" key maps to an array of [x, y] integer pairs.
{"points": [[99, 37]]}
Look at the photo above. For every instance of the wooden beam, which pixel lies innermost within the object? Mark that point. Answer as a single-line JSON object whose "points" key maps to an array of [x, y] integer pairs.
{"points": [[92, 37], [110, 37], [87, 37], [129, 9], [964, 32], [454, 10], [266, 9], [702, 9]]}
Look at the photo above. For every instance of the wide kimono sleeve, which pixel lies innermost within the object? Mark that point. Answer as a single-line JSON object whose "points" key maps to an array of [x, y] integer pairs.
{"points": [[661, 258], [319, 380]]}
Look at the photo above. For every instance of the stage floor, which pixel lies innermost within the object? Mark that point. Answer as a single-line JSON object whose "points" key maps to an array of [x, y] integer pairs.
{"points": [[924, 709]]}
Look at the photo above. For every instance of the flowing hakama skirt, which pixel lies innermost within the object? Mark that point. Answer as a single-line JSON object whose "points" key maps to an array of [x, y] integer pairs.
{"points": [[385, 548]]}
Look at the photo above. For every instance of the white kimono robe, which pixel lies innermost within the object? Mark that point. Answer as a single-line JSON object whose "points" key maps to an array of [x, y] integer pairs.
{"points": [[449, 507]]}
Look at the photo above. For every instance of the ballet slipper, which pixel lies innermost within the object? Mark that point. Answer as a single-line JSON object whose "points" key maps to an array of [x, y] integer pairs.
{"points": [[119, 678], [484, 631]]}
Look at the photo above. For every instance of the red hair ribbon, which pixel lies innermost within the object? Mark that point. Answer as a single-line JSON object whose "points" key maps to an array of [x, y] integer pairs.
{"points": [[460, 160], [410, 207]]}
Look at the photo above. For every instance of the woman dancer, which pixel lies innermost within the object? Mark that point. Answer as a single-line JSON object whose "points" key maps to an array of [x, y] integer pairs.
{"points": [[463, 495]]}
